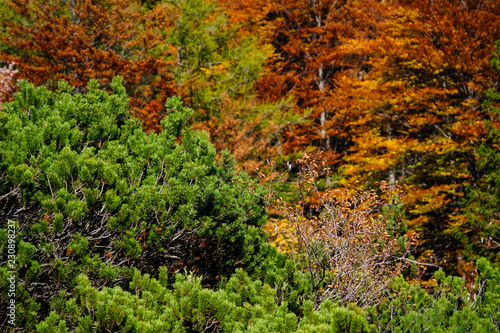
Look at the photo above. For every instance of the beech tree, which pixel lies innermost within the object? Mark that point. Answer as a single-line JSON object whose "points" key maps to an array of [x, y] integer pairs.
{"points": [[82, 40], [478, 226], [417, 113], [354, 242], [392, 91], [310, 40]]}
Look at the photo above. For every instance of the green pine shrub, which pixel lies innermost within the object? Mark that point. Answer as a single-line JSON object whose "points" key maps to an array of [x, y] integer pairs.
{"points": [[93, 194], [241, 305], [450, 307]]}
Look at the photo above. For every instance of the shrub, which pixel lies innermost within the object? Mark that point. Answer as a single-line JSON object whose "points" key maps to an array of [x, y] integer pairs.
{"points": [[449, 307], [242, 305], [353, 242], [92, 193]]}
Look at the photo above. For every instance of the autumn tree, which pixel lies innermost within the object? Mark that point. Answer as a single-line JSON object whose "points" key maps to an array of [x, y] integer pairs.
{"points": [[82, 40], [392, 91], [417, 111], [354, 242], [309, 38], [478, 227]]}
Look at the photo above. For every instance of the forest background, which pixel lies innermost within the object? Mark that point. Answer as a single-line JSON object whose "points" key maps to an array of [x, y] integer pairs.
{"points": [[359, 109]]}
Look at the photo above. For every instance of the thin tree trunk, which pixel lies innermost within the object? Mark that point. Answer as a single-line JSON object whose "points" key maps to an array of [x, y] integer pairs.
{"points": [[392, 171]]}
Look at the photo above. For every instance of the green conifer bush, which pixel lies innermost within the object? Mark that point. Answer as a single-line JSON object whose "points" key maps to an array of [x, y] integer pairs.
{"points": [[450, 307], [91, 193], [241, 305]]}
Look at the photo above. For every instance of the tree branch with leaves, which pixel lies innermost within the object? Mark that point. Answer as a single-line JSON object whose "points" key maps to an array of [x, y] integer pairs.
{"points": [[351, 242]]}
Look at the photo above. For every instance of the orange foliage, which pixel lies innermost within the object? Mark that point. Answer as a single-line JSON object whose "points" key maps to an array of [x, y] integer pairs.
{"points": [[356, 238], [82, 40], [311, 39], [416, 114], [395, 87]]}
